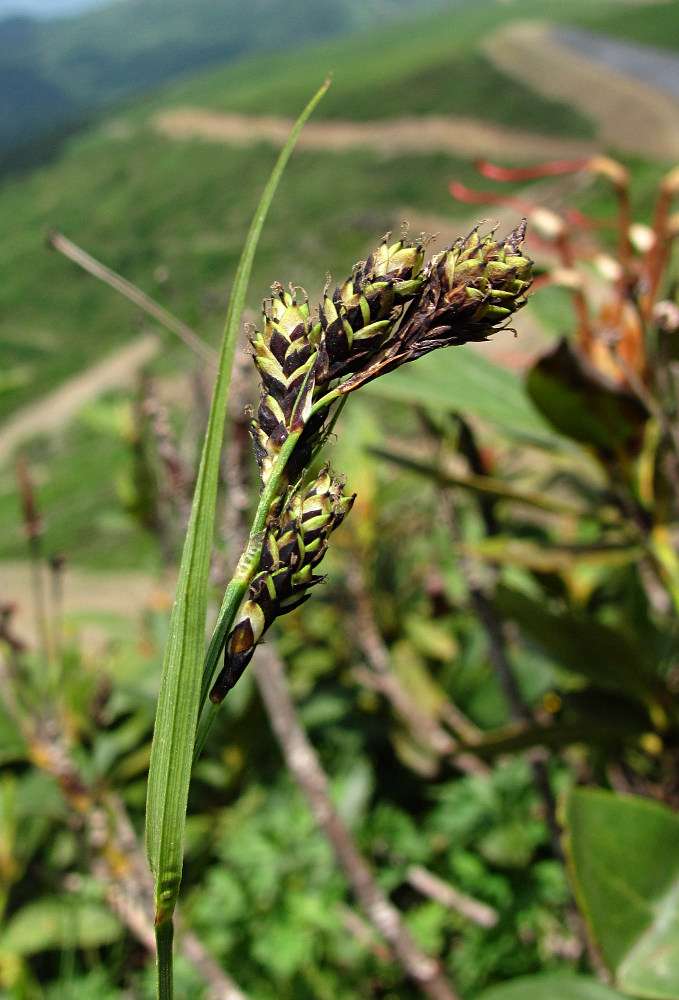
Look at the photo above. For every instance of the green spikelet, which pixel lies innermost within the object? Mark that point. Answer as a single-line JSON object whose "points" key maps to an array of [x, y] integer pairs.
{"points": [[356, 320], [389, 312], [285, 358], [294, 546]]}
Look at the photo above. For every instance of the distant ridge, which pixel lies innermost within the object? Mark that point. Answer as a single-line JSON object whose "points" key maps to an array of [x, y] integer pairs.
{"points": [[54, 71]]}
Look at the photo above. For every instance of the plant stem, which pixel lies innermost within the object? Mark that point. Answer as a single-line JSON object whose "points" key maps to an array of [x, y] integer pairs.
{"points": [[131, 292], [302, 760], [164, 936], [247, 566]]}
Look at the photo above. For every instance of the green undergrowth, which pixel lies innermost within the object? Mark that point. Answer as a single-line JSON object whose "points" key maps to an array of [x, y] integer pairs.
{"points": [[84, 480]]}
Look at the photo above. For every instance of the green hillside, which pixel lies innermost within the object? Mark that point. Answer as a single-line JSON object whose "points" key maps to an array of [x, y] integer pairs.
{"points": [[52, 72], [140, 201], [172, 216], [432, 67]]}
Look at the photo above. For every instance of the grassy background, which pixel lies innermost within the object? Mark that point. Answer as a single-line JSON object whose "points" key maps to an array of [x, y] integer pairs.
{"points": [[262, 889], [172, 216]]}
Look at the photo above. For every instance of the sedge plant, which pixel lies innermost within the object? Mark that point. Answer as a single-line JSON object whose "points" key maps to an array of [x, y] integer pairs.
{"points": [[393, 309]]}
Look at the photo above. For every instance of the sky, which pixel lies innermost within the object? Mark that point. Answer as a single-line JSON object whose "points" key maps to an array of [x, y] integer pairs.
{"points": [[47, 8]]}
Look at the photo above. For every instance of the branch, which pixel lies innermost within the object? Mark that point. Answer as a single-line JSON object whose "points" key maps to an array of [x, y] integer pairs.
{"points": [[305, 767], [443, 892], [90, 264]]}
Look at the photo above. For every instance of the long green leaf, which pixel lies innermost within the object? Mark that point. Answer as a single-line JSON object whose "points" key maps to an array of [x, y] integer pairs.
{"points": [[607, 656], [175, 729], [521, 736], [486, 486]]}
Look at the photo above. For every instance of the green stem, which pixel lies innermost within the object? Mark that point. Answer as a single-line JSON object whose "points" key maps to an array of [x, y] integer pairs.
{"points": [[164, 936], [245, 570], [329, 429], [204, 727]]}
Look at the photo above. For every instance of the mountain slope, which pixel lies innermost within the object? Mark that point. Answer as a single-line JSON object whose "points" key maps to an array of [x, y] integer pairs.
{"points": [[172, 215], [54, 71]]}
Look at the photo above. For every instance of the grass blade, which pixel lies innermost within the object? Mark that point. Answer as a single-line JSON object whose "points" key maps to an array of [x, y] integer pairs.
{"points": [[175, 728]]}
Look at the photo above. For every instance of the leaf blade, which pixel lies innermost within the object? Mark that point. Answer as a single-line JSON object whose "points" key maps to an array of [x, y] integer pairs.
{"points": [[623, 856], [172, 750], [466, 381], [551, 986]]}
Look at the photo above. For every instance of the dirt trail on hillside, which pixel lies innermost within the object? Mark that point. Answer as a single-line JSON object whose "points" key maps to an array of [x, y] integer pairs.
{"points": [[633, 117], [464, 137], [59, 407]]}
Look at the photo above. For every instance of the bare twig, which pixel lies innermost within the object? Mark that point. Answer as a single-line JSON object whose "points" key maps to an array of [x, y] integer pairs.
{"points": [[305, 767], [443, 892], [380, 677], [34, 530], [94, 267], [365, 933]]}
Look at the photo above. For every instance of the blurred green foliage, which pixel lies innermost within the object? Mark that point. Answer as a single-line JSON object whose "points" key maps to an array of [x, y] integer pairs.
{"points": [[585, 593]]}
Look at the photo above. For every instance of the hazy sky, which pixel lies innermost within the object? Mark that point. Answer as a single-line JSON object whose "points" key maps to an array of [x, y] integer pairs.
{"points": [[47, 8]]}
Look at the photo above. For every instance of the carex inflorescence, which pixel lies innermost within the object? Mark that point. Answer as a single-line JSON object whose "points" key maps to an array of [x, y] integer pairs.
{"points": [[293, 547], [393, 309]]}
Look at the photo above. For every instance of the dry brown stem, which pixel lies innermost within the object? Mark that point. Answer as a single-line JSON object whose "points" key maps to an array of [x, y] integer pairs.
{"points": [[306, 769], [94, 267], [443, 892], [379, 677]]}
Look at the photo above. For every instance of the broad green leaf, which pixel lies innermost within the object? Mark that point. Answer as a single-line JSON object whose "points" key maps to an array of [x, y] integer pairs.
{"points": [[623, 854], [550, 986], [584, 406], [175, 729], [462, 380], [587, 647], [56, 923]]}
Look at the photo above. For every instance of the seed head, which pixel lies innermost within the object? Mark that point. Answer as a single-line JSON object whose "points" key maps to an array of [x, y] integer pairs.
{"points": [[285, 358], [469, 290], [357, 319], [294, 546]]}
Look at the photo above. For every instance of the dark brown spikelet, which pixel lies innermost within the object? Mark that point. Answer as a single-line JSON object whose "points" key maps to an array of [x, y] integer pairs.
{"points": [[469, 291], [293, 547], [285, 359], [357, 318]]}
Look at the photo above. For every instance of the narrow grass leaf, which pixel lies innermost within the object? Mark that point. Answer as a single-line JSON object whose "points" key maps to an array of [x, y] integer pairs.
{"points": [[175, 728]]}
